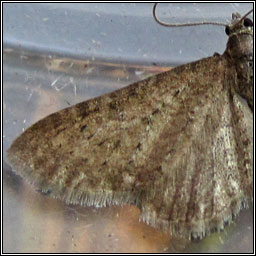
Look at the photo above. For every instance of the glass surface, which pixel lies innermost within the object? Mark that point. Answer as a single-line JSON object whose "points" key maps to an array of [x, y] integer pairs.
{"points": [[56, 55]]}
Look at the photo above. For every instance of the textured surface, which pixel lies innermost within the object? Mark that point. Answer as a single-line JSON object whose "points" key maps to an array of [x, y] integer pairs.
{"points": [[178, 145]]}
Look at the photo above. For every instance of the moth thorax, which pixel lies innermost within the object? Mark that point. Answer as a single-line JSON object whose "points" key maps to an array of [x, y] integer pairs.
{"points": [[240, 51], [240, 45]]}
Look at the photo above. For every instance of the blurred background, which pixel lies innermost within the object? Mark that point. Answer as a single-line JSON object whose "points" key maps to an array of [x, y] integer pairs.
{"points": [[59, 54]]}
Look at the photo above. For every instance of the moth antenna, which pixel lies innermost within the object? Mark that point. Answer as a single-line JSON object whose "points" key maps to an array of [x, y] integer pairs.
{"points": [[248, 13], [184, 24]]}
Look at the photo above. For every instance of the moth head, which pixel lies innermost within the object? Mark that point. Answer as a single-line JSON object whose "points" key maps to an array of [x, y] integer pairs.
{"points": [[239, 25], [240, 33]]}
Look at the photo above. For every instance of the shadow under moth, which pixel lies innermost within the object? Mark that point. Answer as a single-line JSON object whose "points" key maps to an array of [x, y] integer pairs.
{"points": [[178, 145]]}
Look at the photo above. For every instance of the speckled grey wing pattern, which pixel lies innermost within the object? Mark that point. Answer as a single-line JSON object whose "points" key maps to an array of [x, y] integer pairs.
{"points": [[174, 144]]}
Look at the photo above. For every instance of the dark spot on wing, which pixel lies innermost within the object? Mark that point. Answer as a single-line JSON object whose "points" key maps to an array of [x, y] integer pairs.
{"points": [[113, 105], [85, 110], [155, 111], [90, 136], [58, 131], [83, 128], [101, 143], [138, 147], [176, 93]]}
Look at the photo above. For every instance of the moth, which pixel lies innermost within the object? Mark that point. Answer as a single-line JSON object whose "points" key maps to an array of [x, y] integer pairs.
{"points": [[178, 145]]}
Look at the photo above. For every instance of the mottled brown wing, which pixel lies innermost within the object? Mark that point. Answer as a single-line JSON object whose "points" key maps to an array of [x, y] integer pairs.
{"points": [[169, 144]]}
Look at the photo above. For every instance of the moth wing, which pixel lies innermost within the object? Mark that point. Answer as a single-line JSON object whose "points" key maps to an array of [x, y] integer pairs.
{"points": [[207, 175], [92, 153], [153, 143]]}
